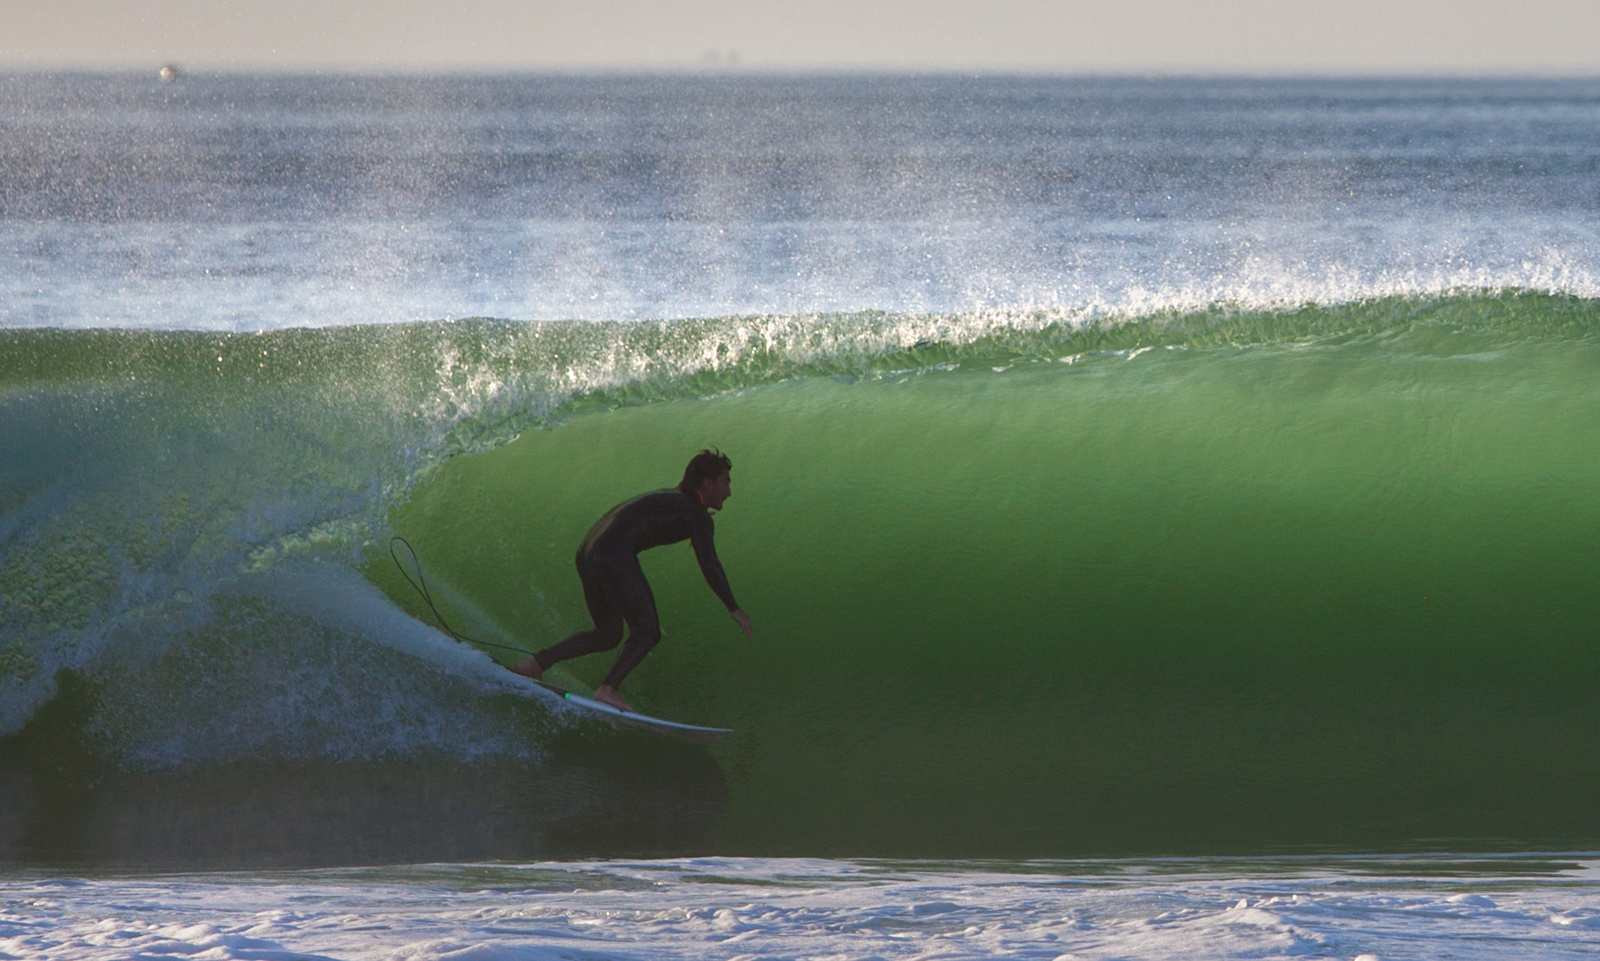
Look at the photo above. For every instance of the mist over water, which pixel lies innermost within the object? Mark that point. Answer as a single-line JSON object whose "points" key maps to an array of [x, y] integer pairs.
{"points": [[1121, 467], [243, 202]]}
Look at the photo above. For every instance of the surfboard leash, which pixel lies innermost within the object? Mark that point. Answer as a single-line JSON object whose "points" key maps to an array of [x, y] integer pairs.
{"points": [[420, 585]]}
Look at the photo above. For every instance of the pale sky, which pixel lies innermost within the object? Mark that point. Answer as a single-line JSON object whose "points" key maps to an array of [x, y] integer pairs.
{"points": [[1063, 36]]}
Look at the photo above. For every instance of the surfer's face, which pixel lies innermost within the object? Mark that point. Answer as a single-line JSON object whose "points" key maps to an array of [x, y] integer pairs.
{"points": [[715, 490]]}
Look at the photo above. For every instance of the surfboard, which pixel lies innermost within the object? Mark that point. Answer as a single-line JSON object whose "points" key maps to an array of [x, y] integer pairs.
{"points": [[633, 719]]}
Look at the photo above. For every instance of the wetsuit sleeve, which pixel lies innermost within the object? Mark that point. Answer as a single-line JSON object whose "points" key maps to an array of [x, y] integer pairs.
{"points": [[705, 551]]}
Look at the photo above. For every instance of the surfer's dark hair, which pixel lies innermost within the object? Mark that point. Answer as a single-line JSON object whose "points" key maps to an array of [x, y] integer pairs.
{"points": [[704, 466]]}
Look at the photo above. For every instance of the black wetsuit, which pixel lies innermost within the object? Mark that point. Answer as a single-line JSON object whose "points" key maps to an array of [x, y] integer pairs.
{"points": [[613, 583]]}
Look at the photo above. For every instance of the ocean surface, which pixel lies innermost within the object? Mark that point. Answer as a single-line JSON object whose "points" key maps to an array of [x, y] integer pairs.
{"points": [[1168, 510]]}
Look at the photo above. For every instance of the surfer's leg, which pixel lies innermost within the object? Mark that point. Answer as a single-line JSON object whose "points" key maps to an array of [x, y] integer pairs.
{"points": [[644, 629], [606, 635], [601, 599]]}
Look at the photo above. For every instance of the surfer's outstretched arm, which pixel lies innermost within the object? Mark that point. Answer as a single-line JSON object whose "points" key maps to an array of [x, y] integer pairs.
{"points": [[702, 535], [705, 552]]}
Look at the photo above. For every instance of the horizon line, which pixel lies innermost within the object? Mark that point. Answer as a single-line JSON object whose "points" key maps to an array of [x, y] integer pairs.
{"points": [[700, 70]]}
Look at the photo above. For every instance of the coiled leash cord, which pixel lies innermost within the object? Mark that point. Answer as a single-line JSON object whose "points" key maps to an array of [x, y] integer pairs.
{"points": [[421, 587]]}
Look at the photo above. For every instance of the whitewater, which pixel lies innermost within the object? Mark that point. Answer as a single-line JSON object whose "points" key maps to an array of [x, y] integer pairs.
{"points": [[726, 909], [1166, 508]]}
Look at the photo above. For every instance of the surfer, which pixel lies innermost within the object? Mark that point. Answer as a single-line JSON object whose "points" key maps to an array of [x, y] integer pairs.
{"points": [[614, 586]]}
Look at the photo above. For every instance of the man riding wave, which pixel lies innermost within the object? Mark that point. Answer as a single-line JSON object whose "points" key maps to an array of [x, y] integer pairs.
{"points": [[614, 585]]}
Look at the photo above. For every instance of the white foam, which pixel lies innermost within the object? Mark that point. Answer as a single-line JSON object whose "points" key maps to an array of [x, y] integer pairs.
{"points": [[733, 909], [342, 599]]}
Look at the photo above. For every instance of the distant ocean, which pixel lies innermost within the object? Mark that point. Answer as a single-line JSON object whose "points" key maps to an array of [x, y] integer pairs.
{"points": [[1168, 510]]}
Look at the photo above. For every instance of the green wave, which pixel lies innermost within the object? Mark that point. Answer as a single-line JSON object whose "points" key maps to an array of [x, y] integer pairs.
{"points": [[1315, 577], [1024, 584]]}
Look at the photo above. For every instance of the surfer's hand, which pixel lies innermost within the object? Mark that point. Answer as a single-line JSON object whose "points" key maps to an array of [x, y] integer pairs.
{"points": [[742, 619]]}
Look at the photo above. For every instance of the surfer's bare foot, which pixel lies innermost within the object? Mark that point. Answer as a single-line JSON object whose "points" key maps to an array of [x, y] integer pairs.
{"points": [[608, 695], [529, 668]]}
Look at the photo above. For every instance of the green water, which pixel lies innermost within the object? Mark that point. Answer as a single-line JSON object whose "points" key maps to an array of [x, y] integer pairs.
{"points": [[1312, 578], [1330, 593]]}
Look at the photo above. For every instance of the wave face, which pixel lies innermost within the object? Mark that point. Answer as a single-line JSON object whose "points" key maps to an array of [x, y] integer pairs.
{"points": [[1023, 585]]}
